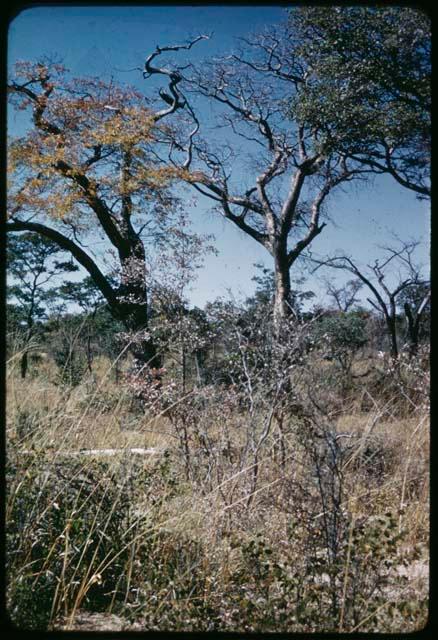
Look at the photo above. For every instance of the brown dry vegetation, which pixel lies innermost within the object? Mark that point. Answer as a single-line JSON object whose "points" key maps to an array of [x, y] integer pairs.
{"points": [[326, 538]]}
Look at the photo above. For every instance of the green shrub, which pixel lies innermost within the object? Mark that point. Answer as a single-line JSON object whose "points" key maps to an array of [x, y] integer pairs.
{"points": [[301, 587], [340, 337]]}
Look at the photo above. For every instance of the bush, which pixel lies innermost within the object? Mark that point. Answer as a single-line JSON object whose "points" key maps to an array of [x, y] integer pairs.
{"points": [[300, 586], [340, 337]]}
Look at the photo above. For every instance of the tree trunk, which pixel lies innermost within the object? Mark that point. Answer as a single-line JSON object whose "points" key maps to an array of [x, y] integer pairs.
{"points": [[89, 352], [142, 348], [184, 366], [133, 305], [391, 322], [24, 364], [414, 320], [413, 330], [198, 368], [282, 307]]}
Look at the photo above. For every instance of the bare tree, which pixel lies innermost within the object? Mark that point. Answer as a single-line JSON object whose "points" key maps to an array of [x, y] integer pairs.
{"points": [[414, 312], [266, 174], [346, 296], [385, 297]]}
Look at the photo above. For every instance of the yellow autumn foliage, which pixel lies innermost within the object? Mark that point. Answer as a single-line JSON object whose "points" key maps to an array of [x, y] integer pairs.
{"points": [[90, 139]]}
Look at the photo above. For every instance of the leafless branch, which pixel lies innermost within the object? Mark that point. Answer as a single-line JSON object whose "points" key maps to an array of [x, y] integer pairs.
{"points": [[175, 100]]}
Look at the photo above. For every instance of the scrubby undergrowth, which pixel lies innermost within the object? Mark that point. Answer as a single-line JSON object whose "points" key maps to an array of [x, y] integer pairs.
{"points": [[255, 514]]}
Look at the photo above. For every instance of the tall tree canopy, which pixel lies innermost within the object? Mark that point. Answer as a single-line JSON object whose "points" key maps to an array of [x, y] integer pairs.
{"points": [[331, 95], [367, 85], [268, 176], [88, 163]]}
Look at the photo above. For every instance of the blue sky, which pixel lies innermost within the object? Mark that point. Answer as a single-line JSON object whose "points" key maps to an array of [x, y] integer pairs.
{"points": [[103, 40]]}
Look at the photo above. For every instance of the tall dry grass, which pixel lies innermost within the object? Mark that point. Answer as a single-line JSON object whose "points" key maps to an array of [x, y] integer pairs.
{"points": [[324, 537]]}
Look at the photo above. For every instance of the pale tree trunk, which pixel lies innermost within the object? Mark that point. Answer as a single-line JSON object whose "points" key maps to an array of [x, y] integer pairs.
{"points": [[282, 307], [413, 330], [414, 324]]}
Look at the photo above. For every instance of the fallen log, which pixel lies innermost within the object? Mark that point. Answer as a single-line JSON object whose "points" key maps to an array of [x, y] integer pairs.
{"points": [[107, 452]]}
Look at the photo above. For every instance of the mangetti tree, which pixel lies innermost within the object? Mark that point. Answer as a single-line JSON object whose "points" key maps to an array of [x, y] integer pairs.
{"points": [[267, 174], [86, 173]]}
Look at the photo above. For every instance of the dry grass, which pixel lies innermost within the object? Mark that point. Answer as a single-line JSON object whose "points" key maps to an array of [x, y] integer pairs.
{"points": [[201, 525], [93, 415]]}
